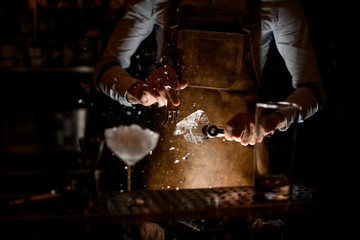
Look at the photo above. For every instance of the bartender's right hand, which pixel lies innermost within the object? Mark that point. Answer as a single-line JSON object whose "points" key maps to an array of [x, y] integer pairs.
{"points": [[160, 87], [241, 127]]}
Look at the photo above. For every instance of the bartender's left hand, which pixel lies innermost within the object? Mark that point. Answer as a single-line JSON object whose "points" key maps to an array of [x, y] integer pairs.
{"points": [[160, 87], [241, 127]]}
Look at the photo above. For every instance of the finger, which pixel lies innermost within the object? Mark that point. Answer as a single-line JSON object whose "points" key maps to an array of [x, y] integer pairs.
{"points": [[156, 79], [161, 101], [131, 99], [259, 135], [148, 98], [170, 71], [154, 93], [141, 98], [174, 97], [230, 127], [169, 76], [167, 88], [245, 138], [228, 132], [135, 92], [259, 138], [248, 134], [162, 98], [160, 87], [160, 77], [252, 139], [170, 84], [183, 84], [238, 133]]}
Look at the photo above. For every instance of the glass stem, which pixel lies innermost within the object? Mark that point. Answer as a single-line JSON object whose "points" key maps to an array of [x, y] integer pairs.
{"points": [[128, 178]]}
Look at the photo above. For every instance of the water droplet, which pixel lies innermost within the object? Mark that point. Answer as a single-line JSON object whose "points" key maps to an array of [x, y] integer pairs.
{"points": [[177, 132], [186, 157]]}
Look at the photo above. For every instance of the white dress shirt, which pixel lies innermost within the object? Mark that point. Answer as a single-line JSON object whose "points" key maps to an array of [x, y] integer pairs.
{"points": [[282, 20]]}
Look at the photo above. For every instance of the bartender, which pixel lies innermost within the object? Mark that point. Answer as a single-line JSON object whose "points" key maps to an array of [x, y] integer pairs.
{"points": [[129, 73], [282, 20], [138, 74]]}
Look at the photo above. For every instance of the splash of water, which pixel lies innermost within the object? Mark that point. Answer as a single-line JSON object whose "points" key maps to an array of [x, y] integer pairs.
{"points": [[191, 127]]}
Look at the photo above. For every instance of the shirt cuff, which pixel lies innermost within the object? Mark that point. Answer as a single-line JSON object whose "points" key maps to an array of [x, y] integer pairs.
{"points": [[126, 102]]}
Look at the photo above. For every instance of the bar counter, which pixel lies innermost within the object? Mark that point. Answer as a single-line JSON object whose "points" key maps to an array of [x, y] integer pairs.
{"points": [[89, 209]]}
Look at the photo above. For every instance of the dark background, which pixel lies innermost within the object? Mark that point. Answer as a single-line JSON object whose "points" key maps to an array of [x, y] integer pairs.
{"points": [[327, 142]]}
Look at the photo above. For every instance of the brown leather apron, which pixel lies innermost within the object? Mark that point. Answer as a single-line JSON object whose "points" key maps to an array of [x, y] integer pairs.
{"points": [[222, 57]]}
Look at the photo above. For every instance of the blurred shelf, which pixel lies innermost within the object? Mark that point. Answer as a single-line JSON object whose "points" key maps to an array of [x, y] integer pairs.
{"points": [[86, 69]]}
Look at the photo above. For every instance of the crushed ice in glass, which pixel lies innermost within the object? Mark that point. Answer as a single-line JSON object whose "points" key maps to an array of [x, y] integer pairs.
{"points": [[191, 127], [131, 143]]}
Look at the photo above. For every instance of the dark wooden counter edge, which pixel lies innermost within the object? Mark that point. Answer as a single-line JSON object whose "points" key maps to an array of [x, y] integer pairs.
{"points": [[256, 208]]}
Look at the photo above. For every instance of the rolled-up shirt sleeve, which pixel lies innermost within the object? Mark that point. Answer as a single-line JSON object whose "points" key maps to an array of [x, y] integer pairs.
{"points": [[110, 75], [288, 24]]}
